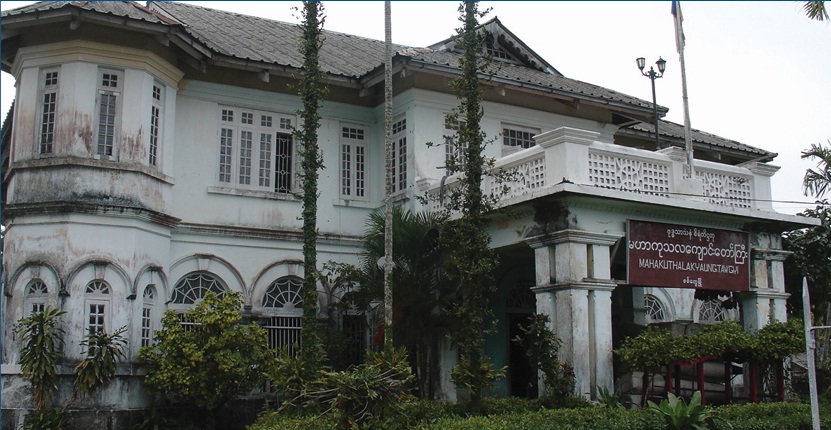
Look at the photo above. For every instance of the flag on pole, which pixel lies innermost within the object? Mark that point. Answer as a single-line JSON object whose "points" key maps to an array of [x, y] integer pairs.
{"points": [[679, 32]]}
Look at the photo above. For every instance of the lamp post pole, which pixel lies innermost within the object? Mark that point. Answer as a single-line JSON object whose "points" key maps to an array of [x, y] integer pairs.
{"points": [[652, 75]]}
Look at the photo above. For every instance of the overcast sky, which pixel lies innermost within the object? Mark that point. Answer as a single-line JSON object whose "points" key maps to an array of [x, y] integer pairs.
{"points": [[757, 72]]}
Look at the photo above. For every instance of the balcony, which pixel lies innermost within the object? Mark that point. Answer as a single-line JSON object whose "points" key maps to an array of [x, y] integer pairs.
{"points": [[573, 160]]}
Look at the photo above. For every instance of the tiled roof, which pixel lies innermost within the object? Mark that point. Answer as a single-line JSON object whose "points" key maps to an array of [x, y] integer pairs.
{"points": [[116, 8], [273, 42], [527, 76], [259, 40], [671, 129]]}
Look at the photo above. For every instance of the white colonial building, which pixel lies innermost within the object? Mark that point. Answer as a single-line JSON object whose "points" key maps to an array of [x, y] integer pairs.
{"points": [[148, 159]]}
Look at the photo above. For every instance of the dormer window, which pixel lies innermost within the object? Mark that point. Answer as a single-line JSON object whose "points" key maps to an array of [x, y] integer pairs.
{"points": [[494, 49]]}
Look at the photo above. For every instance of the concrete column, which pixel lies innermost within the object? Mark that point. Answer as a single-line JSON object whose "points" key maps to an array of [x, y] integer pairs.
{"points": [[574, 288], [767, 297]]}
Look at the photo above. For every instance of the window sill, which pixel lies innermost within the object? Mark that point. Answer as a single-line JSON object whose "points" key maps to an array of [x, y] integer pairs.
{"points": [[355, 203], [270, 195]]}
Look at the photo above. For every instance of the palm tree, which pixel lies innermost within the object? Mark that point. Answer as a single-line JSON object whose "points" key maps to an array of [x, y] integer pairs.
{"points": [[421, 293], [815, 10], [818, 182]]}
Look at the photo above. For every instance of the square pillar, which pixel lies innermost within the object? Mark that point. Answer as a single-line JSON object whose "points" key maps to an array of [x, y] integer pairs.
{"points": [[574, 289]]}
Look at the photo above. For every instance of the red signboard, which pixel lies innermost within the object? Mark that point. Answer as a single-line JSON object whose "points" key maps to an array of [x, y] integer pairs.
{"points": [[669, 255]]}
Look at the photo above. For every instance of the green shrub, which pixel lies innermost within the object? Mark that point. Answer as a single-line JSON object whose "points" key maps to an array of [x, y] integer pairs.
{"points": [[678, 415], [41, 339], [102, 353], [212, 361], [554, 419], [766, 416]]}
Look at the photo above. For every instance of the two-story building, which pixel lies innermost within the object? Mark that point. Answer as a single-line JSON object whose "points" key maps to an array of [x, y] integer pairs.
{"points": [[148, 159]]}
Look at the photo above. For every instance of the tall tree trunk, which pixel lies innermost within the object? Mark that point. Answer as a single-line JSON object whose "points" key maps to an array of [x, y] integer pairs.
{"points": [[388, 188], [312, 94]]}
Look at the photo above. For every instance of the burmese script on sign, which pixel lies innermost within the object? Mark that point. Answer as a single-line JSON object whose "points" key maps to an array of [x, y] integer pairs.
{"points": [[668, 255]]}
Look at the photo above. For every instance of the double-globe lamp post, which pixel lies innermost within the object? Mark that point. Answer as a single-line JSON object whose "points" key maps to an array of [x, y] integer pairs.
{"points": [[652, 75]]}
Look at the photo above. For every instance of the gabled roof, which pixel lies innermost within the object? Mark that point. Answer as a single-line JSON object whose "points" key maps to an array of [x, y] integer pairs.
{"points": [[506, 40]]}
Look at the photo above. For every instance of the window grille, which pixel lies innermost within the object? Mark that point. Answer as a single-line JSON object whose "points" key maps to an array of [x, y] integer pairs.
{"points": [[192, 288], [654, 309]]}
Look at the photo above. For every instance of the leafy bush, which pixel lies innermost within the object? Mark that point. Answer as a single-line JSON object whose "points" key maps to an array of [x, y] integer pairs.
{"points": [[767, 416], [103, 352], [778, 340], [211, 361], [41, 337], [554, 419], [679, 415], [713, 340], [653, 347]]}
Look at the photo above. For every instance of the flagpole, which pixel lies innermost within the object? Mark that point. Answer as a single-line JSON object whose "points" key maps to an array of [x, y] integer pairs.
{"points": [[679, 40]]}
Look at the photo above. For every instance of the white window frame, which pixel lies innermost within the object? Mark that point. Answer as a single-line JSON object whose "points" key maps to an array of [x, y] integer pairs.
{"points": [[148, 319], [249, 140], [283, 313], [35, 301], [512, 143], [452, 145], [97, 298], [48, 86], [104, 90], [157, 98], [399, 155], [353, 162]]}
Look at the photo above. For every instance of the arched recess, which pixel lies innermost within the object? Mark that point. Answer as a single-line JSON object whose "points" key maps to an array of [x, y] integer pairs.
{"points": [[85, 286], [148, 296], [264, 279], [17, 284], [208, 263], [150, 274]]}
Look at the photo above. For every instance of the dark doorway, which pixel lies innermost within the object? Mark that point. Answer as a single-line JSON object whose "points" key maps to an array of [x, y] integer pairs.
{"points": [[522, 375]]}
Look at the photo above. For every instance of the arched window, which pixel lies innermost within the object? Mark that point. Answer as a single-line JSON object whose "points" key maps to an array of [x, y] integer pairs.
{"points": [[36, 295], [521, 299], [193, 287], [711, 311], [284, 303], [147, 317], [654, 309], [97, 300]]}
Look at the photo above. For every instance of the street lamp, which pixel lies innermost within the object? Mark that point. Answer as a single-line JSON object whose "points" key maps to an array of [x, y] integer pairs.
{"points": [[652, 75]]}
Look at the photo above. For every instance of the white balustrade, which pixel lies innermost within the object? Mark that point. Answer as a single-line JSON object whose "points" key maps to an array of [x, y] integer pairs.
{"points": [[576, 157]]}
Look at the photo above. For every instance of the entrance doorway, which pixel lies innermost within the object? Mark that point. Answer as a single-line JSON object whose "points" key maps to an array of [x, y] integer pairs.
{"points": [[519, 309]]}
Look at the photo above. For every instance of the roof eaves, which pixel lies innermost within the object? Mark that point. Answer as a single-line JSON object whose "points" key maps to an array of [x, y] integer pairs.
{"points": [[445, 69]]}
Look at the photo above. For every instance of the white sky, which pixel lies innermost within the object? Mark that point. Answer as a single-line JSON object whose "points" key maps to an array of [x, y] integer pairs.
{"points": [[757, 72]]}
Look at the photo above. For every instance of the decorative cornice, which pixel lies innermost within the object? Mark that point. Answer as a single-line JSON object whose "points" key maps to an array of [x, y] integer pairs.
{"points": [[89, 208], [590, 284], [263, 233], [573, 236]]}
